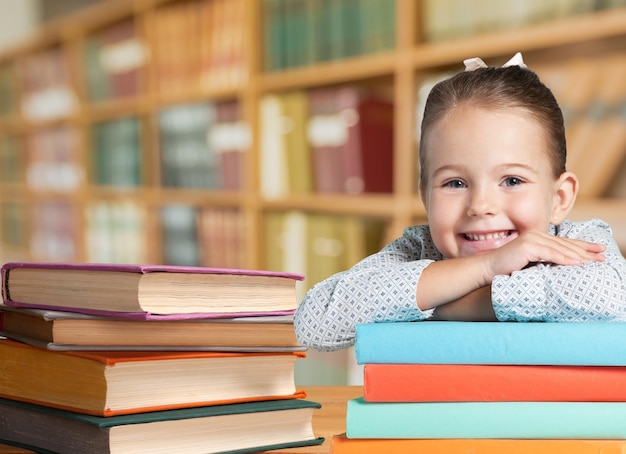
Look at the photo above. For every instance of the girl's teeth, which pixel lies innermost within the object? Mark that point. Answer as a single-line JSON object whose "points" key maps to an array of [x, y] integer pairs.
{"points": [[487, 236]]}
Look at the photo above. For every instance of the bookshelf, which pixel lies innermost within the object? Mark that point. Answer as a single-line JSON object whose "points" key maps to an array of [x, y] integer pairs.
{"points": [[124, 64]]}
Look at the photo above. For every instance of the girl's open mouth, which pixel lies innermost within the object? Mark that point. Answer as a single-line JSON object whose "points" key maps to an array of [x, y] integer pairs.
{"points": [[486, 236]]}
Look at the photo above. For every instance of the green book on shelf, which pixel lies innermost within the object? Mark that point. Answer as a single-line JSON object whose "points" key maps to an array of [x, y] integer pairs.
{"points": [[11, 161], [97, 84], [274, 55], [116, 159], [8, 90], [248, 427]]}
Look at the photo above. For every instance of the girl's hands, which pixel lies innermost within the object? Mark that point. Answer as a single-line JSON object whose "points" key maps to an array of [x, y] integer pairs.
{"points": [[534, 246], [473, 274]]}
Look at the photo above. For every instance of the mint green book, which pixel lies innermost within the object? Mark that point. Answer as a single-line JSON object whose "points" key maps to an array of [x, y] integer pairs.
{"points": [[493, 420], [247, 427]]}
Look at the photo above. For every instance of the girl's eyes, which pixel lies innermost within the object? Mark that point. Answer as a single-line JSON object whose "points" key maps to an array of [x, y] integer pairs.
{"points": [[512, 181], [455, 184], [460, 184]]}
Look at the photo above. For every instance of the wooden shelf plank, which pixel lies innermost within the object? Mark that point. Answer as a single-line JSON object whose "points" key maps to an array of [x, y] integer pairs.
{"points": [[334, 72], [571, 30], [374, 205]]}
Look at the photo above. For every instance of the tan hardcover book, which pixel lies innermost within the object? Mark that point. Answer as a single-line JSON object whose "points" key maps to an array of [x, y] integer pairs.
{"points": [[58, 330], [110, 383]]}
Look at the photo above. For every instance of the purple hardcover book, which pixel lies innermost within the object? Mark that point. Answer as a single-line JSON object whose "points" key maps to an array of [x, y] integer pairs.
{"points": [[149, 292]]}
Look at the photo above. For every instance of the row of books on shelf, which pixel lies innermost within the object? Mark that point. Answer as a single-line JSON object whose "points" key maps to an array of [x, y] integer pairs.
{"points": [[114, 58], [207, 236], [120, 231], [166, 359], [326, 140], [488, 387], [201, 146], [453, 19], [200, 44], [304, 32], [196, 44], [319, 245], [332, 140], [44, 85]]}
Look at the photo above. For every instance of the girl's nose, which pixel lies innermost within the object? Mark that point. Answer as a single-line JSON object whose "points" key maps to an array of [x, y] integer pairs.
{"points": [[481, 204]]}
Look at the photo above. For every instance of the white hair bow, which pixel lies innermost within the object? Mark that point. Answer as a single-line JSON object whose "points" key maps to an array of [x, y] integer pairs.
{"points": [[472, 64]]}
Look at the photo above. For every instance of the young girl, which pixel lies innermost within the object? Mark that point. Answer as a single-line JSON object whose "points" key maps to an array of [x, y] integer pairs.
{"points": [[497, 246]]}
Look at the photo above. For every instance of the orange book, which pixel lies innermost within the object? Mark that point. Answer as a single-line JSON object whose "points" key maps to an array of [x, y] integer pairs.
{"points": [[114, 383], [343, 445], [491, 383]]}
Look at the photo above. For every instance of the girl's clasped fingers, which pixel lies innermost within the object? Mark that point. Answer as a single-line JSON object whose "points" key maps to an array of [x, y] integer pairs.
{"points": [[565, 251]]}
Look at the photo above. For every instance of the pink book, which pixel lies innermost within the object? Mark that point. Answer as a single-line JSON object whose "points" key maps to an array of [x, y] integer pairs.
{"points": [[149, 291]]}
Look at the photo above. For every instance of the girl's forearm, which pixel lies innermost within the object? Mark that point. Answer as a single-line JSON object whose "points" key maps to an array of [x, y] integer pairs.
{"points": [[475, 306], [450, 280]]}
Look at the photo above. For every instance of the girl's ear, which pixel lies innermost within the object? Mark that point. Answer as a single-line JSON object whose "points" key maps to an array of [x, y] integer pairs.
{"points": [[565, 191]]}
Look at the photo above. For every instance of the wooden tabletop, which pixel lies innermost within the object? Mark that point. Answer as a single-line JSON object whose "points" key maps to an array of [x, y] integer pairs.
{"points": [[6, 449], [330, 419]]}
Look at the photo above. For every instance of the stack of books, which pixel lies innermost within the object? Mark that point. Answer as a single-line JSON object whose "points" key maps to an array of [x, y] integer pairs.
{"points": [[489, 387], [127, 358]]}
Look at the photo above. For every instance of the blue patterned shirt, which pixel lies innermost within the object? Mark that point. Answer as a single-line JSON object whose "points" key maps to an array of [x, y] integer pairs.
{"points": [[381, 288]]}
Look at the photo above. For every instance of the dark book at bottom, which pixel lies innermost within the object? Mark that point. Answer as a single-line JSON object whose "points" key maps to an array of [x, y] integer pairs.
{"points": [[246, 427]]}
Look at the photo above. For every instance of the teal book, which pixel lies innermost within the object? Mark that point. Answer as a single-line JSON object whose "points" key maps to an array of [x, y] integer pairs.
{"points": [[249, 427], [491, 420], [434, 342]]}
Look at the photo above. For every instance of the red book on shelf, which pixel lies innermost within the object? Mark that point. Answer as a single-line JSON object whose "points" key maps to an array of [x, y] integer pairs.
{"points": [[229, 139], [491, 383], [351, 137], [123, 55], [368, 149]]}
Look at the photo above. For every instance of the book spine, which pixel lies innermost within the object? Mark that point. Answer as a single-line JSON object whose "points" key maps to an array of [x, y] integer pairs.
{"points": [[180, 235], [587, 344], [343, 445], [188, 159], [494, 420], [492, 383], [327, 135]]}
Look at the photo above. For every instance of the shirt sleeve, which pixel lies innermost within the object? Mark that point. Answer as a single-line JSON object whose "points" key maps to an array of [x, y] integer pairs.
{"points": [[379, 288], [593, 291]]}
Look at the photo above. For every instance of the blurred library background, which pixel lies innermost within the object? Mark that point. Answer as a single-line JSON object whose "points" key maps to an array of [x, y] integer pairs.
{"points": [[269, 134]]}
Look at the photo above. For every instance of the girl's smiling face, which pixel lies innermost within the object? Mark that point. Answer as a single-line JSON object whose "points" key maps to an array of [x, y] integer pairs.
{"points": [[489, 179]]}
